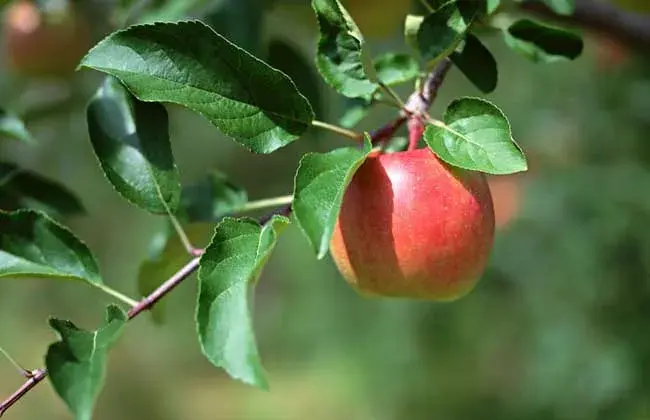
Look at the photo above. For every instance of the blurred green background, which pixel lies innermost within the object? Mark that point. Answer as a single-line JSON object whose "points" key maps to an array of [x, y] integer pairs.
{"points": [[556, 329]]}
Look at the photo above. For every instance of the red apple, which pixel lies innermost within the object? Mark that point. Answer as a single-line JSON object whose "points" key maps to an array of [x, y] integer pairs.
{"points": [[38, 44], [412, 226]]}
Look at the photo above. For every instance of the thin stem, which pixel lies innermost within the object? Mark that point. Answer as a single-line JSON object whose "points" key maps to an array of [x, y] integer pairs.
{"points": [[338, 130], [36, 377], [390, 92], [387, 131], [416, 129], [164, 288], [112, 292], [182, 235], [266, 203], [13, 361]]}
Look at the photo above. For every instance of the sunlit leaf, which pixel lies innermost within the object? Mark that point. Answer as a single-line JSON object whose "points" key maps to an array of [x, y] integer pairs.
{"points": [[34, 245], [319, 187], [340, 57], [229, 268], [189, 64], [77, 363], [131, 141], [476, 136], [395, 68]]}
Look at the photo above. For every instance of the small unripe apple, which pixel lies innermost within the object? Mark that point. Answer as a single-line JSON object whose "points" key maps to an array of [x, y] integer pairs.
{"points": [[39, 44], [412, 226]]}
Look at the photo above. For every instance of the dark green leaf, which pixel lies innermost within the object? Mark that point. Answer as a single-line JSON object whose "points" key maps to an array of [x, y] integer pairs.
{"points": [[210, 199], [229, 268], [320, 183], [34, 245], [131, 141], [540, 42], [20, 188], [476, 136], [340, 57], [561, 7], [286, 57], [395, 68], [13, 127], [189, 64], [477, 64], [441, 31], [77, 363], [166, 255]]}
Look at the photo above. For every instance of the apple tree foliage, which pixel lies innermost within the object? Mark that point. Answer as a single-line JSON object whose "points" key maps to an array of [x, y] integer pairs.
{"points": [[263, 100]]}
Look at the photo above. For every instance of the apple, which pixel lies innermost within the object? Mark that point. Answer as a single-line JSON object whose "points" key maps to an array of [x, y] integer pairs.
{"points": [[412, 226], [39, 44]]}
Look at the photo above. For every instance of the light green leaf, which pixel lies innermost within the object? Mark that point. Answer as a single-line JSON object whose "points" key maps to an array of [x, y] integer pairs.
{"points": [[34, 245], [11, 126], [395, 68], [77, 363], [441, 31], [166, 255], [131, 141], [412, 25], [340, 57], [561, 7], [493, 5], [477, 64], [543, 43], [211, 198], [189, 64], [21, 188], [354, 112], [229, 268], [319, 187], [476, 136]]}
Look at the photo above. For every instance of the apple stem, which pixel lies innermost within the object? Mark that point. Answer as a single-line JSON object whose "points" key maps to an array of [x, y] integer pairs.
{"points": [[416, 129]]}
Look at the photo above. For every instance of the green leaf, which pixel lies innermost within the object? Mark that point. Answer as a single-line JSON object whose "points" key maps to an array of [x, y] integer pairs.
{"points": [[189, 64], [77, 363], [319, 186], [210, 199], [395, 68], [286, 57], [492, 6], [13, 127], [543, 43], [340, 56], [477, 64], [441, 31], [166, 255], [229, 268], [477, 136], [20, 188], [34, 245], [131, 141], [412, 25], [355, 111], [561, 7]]}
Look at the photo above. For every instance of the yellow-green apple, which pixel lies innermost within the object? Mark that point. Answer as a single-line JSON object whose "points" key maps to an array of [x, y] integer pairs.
{"points": [[40, 44], [412, 226]]}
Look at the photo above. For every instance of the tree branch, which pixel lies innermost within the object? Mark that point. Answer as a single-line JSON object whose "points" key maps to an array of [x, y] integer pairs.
{"points": [[601, 16]]}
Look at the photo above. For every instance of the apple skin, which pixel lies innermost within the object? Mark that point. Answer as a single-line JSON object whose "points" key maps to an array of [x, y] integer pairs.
{"points": [[37, 46], [412, 226]]}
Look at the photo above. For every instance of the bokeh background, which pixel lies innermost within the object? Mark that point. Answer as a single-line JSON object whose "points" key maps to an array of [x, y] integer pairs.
{"points": [[558, 328]]}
